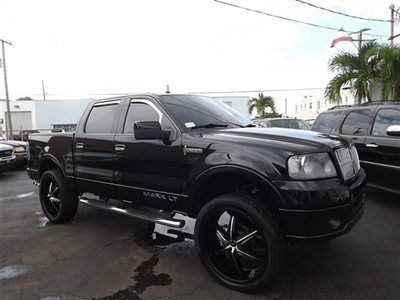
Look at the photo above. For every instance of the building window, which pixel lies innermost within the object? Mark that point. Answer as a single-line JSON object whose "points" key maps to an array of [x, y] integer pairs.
{"points": [[310, 105], [318, 104], [229, 103]]}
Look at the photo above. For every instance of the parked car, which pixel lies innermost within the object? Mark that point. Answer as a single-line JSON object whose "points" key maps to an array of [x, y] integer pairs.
{"points": [[251, 189], [20, 151], [375, 130], [23, 135], [7, 157], [283, 123]]}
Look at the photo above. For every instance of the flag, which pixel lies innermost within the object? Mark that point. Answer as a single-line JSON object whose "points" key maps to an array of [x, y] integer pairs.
{"points": [[341, 39]]}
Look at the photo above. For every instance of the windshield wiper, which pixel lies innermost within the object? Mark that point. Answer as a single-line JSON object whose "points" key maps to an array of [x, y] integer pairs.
{"points": [[210, 125], [251, 125]]}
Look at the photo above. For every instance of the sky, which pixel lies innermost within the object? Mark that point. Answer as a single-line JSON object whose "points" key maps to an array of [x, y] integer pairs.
{"points": [[89, 49]]}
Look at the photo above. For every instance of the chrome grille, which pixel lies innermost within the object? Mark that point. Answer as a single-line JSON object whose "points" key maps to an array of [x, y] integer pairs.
{"points": [[348, 161], [5, 153]]}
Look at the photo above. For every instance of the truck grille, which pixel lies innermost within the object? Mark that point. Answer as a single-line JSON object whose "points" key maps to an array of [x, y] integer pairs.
{"points": [[5, 153], [348, 161]]}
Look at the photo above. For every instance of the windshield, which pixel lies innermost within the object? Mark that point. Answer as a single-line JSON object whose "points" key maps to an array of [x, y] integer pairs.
{"points": [[196, 111], [290, 123]]}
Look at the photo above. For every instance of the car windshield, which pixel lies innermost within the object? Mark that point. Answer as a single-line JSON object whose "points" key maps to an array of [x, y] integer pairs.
{"points": [[290, 123], [199, 111]]}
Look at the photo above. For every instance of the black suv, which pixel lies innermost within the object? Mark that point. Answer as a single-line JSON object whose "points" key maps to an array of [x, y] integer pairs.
{"points": [[375, 130], [250, 189]]}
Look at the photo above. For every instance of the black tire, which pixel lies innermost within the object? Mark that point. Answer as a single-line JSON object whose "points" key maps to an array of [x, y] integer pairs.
{"points": [[243, 265], [59, 202]]}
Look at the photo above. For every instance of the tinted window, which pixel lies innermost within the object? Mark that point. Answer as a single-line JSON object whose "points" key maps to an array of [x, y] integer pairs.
{"points": [[139, 112], [289, 123], [191, 111], [356, 122], [101, 119], [326, 122], [384, 119]]}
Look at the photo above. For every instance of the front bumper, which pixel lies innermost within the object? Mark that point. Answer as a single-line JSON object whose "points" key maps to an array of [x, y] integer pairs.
{"points": [[341, 205], [7, 162]]}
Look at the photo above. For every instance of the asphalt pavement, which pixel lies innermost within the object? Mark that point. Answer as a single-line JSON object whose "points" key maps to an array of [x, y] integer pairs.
{"points": [[101, 255]]}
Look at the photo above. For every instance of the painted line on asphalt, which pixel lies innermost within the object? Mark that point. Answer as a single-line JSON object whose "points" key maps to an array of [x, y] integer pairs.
{"points": [[19, 196]]}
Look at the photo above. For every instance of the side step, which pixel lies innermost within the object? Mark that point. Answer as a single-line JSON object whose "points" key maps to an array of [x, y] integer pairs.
{"points": [[146, 215]]}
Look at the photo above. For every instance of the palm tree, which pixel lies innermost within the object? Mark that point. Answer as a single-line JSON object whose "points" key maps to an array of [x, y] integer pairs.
{"points": [[355, 71], [389, 69], [261, 104]]}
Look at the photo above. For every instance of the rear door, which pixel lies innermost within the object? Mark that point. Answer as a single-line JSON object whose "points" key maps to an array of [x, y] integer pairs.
{"points": [[382, 161], [94, 148], [355, 127]]}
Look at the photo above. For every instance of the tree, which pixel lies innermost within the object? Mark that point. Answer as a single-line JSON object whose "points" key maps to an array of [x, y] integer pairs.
{"points": [[356, 71], [261, 104], [389, 70]]}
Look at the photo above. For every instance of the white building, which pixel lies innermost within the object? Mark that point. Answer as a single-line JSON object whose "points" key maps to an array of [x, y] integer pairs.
{"points": [[42, 115], [239, 103]]}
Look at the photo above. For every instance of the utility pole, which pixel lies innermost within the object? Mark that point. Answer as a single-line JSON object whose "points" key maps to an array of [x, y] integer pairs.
{"points": [[285, 106], [9, 134], [43, 91], [360, 34], [392, 14]]}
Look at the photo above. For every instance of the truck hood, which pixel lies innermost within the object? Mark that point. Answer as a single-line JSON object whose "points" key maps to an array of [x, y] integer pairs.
{"points": [[313, 141]]}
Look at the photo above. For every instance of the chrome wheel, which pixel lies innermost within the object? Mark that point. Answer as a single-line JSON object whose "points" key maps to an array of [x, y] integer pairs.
{"points": [[234, 245], [51, 198]]}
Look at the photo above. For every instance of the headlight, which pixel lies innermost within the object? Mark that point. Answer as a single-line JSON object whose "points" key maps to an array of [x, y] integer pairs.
{"points": [[19, 149], [311, 166]]}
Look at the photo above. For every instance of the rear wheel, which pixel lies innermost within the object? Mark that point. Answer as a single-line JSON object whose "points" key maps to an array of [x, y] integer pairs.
{"points": [[239, 242], [59, 202]]}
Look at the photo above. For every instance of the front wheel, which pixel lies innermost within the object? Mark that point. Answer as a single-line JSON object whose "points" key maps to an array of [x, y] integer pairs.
{"points": [[239, 243], [59, 202]]}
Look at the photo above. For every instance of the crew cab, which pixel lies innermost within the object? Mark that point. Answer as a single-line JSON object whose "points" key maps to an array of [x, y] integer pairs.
{"points": [[250, 189], [374, 129]]}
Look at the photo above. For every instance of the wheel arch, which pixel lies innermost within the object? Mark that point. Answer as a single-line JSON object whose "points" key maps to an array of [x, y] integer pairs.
{"points": [[221, 180], [49, 162]]}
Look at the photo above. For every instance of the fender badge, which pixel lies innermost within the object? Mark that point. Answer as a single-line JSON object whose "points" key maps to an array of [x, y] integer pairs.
{"points": [[187, 150]]}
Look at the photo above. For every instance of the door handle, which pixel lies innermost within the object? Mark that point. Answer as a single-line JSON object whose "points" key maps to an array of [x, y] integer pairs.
{"points": [[119, 148], [79, 146], [372, 145]]}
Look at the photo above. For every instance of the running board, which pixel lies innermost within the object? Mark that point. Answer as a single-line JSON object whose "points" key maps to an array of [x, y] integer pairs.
{"points": [[151, 216]]}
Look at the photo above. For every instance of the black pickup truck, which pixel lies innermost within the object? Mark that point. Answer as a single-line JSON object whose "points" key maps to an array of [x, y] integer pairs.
{"points": [[250, 189]]}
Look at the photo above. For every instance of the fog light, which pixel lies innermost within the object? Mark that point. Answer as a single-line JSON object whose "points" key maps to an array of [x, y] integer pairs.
{"points": [[334, 222]]}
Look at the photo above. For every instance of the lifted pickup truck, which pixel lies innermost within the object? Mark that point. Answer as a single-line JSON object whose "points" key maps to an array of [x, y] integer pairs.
{"points": [[250, 189]]}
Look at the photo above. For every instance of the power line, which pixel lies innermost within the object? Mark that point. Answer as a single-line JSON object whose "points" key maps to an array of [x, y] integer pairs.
{"points": [[341, 13], [290, 19]]}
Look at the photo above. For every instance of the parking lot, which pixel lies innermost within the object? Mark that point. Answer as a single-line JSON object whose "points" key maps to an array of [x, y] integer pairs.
{"points": [[102, 255]]}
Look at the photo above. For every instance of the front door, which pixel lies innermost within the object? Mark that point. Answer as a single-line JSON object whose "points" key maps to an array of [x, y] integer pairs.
{"points": [[382, 162], [94, 149], [149, 172]]}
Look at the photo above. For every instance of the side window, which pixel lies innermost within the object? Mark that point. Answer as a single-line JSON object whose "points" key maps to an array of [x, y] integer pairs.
{"points": [[385, 118], [356, 122], [101, 119], [139, 111]]}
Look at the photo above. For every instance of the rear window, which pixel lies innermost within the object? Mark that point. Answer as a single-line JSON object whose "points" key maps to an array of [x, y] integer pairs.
{"points": [[289, 123], [101, 119], [326, 122]]}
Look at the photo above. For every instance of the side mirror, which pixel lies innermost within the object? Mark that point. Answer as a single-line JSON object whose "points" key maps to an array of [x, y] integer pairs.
{"points": [[393, 130], [150, 130]]}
